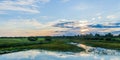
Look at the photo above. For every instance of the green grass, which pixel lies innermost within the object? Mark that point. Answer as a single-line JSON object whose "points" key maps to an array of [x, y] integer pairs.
{"points": [[57, 44], [99, 43], [12, 42], [113, 44], [18, 44]]}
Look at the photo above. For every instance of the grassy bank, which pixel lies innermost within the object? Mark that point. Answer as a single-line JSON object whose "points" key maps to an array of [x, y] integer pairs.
{"points": [[19, 44], [104, 44], [110, 44], [8, 45]]}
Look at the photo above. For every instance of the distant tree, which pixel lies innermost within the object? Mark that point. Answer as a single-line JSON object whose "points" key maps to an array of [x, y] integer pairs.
{"points": [[48, 38], [119, 35], [108, 39], [78, 35], [97, 35], [90, 35], [32, 38], [109, 35]]}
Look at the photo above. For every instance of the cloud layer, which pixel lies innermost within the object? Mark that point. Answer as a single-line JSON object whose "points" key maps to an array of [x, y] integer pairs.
{"points": [[29, 27], [112, 25]]}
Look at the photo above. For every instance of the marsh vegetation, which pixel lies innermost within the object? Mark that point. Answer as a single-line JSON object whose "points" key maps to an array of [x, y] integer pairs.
{"points": [[59, 43]]}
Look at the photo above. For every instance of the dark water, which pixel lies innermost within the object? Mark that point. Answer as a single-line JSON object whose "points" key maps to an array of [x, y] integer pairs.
{"points": [[91, 53]]}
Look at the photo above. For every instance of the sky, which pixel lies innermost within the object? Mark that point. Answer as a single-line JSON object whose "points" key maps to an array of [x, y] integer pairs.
{"points": [[59, 17]]}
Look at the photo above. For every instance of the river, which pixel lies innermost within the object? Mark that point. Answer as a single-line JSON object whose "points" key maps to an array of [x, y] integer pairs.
{"points": [[90, 53]]}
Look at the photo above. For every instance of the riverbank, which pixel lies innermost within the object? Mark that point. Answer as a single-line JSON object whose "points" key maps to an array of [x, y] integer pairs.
{"points": [[14, 45], [98, 43], [8, 45]]}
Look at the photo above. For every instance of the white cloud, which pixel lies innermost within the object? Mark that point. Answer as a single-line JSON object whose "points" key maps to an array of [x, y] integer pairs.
{"points": [[21, 24], [111, 17], [99, 17], [93, 18], [21, 5], [17, 8], [27, 27], [2, 12], [46, 17], [81, 6]]}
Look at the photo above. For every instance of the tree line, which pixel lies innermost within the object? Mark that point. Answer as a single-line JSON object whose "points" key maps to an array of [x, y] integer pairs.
{"points": [[107, 37]]}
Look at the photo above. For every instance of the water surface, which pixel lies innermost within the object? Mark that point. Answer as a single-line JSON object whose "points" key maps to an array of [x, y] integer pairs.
{"points": [[91, 53]]}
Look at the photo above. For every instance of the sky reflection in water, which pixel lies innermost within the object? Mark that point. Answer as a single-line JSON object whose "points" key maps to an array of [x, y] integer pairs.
{"points": [[50, 55]]}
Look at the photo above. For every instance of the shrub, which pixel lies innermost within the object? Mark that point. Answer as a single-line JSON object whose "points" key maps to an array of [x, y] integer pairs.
{"points": [[48, 38], [108, 39], [32, 38]]}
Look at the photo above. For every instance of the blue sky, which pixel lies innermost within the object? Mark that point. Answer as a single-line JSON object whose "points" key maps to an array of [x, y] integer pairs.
{"points": [[58, 17]]}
